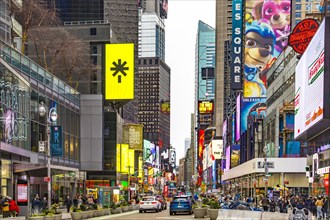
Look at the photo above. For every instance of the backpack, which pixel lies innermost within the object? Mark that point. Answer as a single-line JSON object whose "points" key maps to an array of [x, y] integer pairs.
{"points": [[300, 214]]}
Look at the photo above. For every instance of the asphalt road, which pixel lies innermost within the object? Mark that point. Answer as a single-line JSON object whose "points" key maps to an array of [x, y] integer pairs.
{"points": [[163, 215]]}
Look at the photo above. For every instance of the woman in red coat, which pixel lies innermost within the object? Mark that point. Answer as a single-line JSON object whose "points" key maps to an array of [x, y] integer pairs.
{"points": [[13, 207]]}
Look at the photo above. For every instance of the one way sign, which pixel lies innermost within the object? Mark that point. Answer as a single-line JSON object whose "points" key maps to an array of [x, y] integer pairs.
{"points": [[119, 71]]}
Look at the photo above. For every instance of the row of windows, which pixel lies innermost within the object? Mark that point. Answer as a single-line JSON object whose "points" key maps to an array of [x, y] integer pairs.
{"points": [[149, 61]]}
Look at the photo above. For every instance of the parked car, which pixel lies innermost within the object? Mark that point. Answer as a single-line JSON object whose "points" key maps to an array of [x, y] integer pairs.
{"points": [[180, 204], [150, 203], [163, 201]]}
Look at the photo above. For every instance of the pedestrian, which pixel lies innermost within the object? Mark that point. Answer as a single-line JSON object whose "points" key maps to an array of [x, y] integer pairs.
{"points": [[68, 203], [5, 207], [325, 207], [308, 203], [265, 203], [13, 208], [319, 205], [44, 203], [36, 204], [75, 201]]}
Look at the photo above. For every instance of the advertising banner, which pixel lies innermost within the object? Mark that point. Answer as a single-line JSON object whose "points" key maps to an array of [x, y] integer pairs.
{"points": [[238, 118], [133, 135], [22, 193], [252, 109], [217, 149], [131, 161], [236, 50], [56, 141], [118, 155], [147, 152], [124, 159], [156, 160], [234, 156], [228, 158], [309, 85], [119, 71], [267, 28]]}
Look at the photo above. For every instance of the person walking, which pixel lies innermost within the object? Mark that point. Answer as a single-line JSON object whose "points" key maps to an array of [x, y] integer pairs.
{"points": [[325, 207], [13, 208], [68, 203], [5, 207], [319, 205], [265, 203]]}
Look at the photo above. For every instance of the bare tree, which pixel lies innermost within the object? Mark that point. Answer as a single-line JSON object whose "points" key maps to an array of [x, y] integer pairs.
{"points": [[47, 42]]}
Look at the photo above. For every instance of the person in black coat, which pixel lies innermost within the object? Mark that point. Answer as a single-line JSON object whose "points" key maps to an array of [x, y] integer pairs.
{"points": [[68, 203]]}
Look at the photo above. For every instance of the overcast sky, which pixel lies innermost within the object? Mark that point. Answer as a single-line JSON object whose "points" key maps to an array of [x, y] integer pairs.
{"points": [[180, 31]]}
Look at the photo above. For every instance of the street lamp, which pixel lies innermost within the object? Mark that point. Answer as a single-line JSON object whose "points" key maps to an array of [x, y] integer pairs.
{"points": [[52, 117]]}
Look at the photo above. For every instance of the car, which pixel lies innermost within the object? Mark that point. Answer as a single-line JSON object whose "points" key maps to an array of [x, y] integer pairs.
{"points": [[163, 201], [150, 203], [180, 204]]}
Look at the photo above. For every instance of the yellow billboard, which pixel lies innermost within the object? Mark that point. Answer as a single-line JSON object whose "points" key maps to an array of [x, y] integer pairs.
{"points": [[131, 161], [133, 135], [124, 158], [119, 71], [118, 153]]}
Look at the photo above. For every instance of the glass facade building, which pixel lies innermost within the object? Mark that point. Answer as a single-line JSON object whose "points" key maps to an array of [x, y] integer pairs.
{"points": [[204, 57], [24, 88]]}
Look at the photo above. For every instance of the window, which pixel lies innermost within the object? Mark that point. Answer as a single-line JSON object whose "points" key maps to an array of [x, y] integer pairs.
{"points": [[298, 14], [298, 7], [93, 31]]}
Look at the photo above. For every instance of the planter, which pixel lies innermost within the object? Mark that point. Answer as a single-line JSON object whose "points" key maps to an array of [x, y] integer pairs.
{"points": [[135, 207], [113, 211], [130, 207], [36, 218], [119, 210], [124, 208], [106, 211], [90, 214], [84, 215], [58, 216], [199, 212], [76, 215], [49, 217], [98, 213], [213, 213]]}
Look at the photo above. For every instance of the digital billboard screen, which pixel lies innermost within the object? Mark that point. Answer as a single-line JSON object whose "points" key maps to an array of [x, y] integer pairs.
{"points": [[267, 28], [309, 84], [238, 117]]}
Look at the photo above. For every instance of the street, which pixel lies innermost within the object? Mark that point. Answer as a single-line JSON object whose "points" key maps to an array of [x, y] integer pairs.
{"points": [[163, 215]]}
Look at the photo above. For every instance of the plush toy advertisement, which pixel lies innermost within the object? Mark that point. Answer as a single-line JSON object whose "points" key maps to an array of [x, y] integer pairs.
{"points": [[267, 28]]}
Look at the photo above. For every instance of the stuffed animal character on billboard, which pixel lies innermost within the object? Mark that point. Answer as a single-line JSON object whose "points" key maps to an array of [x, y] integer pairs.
{"points": [[259, 49], [277, 13]]}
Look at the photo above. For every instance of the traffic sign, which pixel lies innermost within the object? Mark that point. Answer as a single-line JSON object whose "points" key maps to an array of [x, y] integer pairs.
{"points": [[47, 179]]}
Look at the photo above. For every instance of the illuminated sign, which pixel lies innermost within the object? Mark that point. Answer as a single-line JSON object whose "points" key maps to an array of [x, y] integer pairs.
{"points": [[267, 29], [133, 135], [309, 84], [22, 193], [236, 51], [205, 107], [119, 71], [56, 141], [238, 117], [217, 149], [302, 34], [118, 153], [124, 160]]}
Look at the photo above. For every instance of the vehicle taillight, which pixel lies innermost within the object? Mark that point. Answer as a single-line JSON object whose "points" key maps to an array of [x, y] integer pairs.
{"points": [[141, 203], [154, 203]]}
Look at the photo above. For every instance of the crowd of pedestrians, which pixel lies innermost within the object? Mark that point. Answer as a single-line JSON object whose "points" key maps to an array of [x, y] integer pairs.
{"points": [[318, 206]]}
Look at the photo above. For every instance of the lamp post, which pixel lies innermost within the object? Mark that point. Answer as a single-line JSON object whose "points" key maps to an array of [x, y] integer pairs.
{"points": [[51, 117]]}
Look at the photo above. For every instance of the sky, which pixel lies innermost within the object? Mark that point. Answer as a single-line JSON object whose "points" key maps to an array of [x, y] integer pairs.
{"points": [[180, 35]]}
